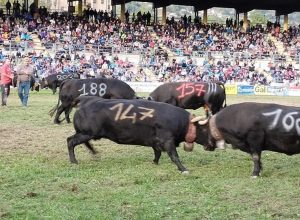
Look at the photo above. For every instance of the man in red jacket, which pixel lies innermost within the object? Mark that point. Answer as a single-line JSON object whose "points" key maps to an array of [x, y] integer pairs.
{"points": [[6, 79]]}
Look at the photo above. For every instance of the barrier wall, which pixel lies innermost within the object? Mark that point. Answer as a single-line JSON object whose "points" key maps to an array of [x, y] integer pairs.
{"points": [[144, 86], [232, 89]]}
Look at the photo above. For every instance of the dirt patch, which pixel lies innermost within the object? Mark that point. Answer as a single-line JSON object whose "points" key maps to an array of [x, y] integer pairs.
{"points": [[27, 139]]}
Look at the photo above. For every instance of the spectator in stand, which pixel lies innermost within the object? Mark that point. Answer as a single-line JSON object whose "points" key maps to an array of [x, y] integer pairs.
{"points": [[8, 7], [127, 16], [6, 77]]}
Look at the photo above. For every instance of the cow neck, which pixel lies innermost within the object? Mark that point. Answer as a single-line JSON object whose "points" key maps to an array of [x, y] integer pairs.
{"points": [[190, 136], [215, 132]]}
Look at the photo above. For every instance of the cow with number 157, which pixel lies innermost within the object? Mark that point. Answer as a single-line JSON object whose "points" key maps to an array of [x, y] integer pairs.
{"points": [[101, 87], [192, 95]]}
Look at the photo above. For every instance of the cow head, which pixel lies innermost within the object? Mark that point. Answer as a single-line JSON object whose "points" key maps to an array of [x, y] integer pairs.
{"points": [[203, 134], [44, 83], [36, 87]]}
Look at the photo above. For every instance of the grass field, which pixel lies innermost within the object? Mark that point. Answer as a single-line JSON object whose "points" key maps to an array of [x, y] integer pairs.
{"points": [[38, 182]]}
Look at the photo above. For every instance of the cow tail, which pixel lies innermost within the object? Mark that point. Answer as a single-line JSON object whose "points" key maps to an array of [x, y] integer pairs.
{"points": [[223, 86], [54, 109]]}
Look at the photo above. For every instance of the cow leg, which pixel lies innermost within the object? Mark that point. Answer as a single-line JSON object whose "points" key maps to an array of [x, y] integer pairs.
{"points": [[157, 154], [175, 158], [257, 164], [75, 140], [58, 113], [255, 139], [54, 89], [67, 114], [90, 147]]}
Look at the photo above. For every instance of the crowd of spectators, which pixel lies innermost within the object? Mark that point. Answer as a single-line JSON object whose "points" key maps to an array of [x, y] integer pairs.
{"points": [[158, 47], [210, 70]]}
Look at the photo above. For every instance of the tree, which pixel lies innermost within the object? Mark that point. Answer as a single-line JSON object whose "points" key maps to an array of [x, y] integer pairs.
{"points": [[257, 17]]}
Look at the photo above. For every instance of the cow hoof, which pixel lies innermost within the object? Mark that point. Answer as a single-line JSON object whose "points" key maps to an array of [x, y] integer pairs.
{"points": [[74, 162], [186, 172], [221, 144]]}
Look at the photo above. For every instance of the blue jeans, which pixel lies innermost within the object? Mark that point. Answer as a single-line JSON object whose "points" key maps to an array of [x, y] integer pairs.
{"points": [[23, 92]]}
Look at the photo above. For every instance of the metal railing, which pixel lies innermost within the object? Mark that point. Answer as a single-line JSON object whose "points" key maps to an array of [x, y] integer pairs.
{"points": [[12, 47]]}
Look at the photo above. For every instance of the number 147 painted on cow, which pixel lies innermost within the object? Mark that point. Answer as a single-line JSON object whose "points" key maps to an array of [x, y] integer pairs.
{"points": [[123, 114], [189, 88]]}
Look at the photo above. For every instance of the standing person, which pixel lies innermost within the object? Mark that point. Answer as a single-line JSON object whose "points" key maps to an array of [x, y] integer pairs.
{"points": [[8, 6], [6, 79], [24, 71]]}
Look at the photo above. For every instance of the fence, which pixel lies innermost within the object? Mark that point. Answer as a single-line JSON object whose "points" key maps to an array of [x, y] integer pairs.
{"points": [[233, 89], [12, 47]]}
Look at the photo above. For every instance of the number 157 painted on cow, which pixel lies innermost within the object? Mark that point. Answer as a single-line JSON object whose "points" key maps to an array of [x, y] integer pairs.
{"points": [[189, 88]]}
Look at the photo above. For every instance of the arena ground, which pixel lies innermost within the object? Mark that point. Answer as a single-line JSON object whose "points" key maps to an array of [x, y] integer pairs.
{"points": [[38, 182]]}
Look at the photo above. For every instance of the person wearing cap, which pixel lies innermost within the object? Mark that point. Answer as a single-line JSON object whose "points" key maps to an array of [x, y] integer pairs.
{"points": [[6, 79], [24, 71]]}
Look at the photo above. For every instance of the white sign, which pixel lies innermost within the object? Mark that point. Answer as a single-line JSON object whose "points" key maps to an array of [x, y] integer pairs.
{"points": [[144, 86]]}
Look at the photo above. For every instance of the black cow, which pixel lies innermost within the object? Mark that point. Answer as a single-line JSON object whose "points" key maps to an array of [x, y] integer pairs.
{"points": [[53, 81], [252, 128], [191, 95], [33, 85], [102, 87], [136, 122]]}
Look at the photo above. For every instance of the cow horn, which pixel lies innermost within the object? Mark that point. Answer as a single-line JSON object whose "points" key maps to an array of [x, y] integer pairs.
{"points": [[198, 118], [203, 122]]}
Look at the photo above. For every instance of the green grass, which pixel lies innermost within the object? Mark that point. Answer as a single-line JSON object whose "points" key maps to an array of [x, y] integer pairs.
{"points": [[120, 182]]}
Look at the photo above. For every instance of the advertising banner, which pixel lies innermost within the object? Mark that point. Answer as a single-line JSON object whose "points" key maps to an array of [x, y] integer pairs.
{"points": [[270, 90], [261, 90], [293, 91], [231, 89], [245, 89], [277, 90]]}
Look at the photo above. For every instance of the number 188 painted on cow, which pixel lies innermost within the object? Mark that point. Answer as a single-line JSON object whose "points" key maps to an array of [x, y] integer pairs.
{"points": [[94, 89]]}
